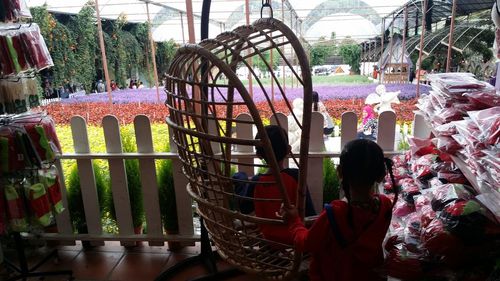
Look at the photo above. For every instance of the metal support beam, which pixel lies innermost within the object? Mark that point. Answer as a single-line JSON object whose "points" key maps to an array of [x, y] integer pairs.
{"points": [[103, 51], [249, 60], [421, 47], [450, 39], [190, 22], [381, 52], [391, 44], [182, 28], [283, 40], [153, 54], [403, 44]]}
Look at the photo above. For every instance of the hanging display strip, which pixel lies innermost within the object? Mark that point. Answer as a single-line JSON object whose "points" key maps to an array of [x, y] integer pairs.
{"points": [[18, 95], [24, 48], [14, 10], [30, 193], [447, 223]]}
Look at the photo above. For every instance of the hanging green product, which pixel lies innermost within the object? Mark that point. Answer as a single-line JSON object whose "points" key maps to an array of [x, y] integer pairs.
{"points": [[4, 154], [15, 210], [13, 54], [39, 203], [44, 144], [50, 179]]}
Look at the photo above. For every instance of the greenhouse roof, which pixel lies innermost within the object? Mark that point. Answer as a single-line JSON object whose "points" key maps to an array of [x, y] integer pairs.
{"points": [[441, 10], [358, 19]]}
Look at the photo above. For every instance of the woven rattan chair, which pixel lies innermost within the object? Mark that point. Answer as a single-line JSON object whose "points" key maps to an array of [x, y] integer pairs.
{"points": [[204, 96]]}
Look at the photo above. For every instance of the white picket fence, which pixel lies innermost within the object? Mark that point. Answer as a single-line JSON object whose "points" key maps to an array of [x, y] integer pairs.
{"points": [[147, 156]]}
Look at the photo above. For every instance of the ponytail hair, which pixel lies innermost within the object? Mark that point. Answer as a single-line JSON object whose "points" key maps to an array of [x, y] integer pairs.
{"points": [[395, 188]]}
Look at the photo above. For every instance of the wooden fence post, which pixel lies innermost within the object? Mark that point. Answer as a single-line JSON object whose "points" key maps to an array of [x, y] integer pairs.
{"points": [[87, 179], [348, 128], [386, 130], [117, 173], [245, 131], [315, 165], [149, 183]]}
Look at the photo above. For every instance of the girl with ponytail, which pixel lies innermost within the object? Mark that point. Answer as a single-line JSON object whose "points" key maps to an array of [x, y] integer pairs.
{"points": [[346, 240]]}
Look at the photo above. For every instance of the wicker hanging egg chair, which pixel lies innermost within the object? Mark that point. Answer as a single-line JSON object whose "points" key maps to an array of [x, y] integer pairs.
{"points": [[204, 97]]}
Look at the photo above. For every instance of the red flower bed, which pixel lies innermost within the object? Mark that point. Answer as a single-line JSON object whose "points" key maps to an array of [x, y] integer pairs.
{"points": [[94, 112]]}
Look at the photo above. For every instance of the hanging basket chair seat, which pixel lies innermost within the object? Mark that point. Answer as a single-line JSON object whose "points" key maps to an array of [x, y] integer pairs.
{"points": [[205, 97]]}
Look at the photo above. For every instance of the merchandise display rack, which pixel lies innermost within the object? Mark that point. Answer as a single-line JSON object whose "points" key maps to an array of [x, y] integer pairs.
{"points": [[26, 58]]}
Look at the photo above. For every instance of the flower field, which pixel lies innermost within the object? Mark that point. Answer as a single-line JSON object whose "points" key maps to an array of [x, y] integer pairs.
{"points": [[129, 103]]}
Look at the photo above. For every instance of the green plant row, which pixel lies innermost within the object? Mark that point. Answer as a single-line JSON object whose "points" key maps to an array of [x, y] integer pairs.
{"points": [[72, 43], [166, 191]]}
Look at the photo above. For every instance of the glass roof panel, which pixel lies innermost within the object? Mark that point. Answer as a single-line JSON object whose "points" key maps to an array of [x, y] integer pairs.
{"points": [[359, 19]]}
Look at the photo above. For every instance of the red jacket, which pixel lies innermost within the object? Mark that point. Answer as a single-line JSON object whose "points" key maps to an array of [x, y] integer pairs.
{"points": [[363, 254], [268, 209]]}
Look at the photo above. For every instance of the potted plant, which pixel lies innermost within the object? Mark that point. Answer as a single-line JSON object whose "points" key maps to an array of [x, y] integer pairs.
{"points": [[330, 181], [168, 206], [75, 201], [134, 184]]}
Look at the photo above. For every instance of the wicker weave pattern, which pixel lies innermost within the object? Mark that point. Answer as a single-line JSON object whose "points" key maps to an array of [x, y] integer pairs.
{"points": [[203, 95]]}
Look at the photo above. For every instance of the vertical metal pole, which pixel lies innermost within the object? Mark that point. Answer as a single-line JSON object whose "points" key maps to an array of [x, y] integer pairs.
{"points": [[190, 22], [381, 52], [153, 53], [421, 46], [450, 39], [291, 50], [249, 60], [205, 15], [403, 45], [272, 66], [362, 69], [182, 28], [103, 51], [283, 40], [392, 42]]}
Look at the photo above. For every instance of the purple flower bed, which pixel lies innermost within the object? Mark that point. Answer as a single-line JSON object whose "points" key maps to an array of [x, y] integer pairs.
{"points": [[325, 92]]}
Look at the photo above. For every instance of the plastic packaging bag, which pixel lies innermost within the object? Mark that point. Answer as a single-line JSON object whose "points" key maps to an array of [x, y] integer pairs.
{"points": [[484, 99], [447, 193], [447, 144], [447, 129], [488, 122]]}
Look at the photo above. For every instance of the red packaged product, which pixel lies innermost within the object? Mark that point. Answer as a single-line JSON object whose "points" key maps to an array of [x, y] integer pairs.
{"points": [[6, 64], [427, 214], [447, 193], [23, 63], [400, 161], [421, 200], [441, 243], [447, 115], [34, 46], [403, 208], [408, 190], [403, 266], [452, 177], [488, 122], [39, 202], [421, 147], [422, 166], [434, 182], [447, 129], [15, 208], [447, 144], [12, 158], [484, 99]]}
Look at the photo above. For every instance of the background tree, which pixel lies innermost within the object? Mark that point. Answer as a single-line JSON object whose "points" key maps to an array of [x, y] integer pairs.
{"points": [[165, 52], [261, 65], [351, 54], [323, 50], [60, 43], [83, 28]]}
